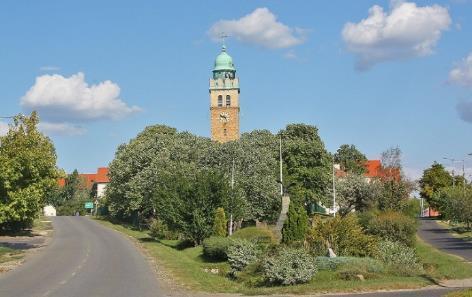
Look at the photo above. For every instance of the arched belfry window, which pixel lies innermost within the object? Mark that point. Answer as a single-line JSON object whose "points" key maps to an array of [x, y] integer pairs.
{"points": [[220, 101], [228, 100]]}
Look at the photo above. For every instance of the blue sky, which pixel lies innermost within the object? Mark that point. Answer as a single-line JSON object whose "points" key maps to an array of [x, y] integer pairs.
{"points": [[405, 80]]}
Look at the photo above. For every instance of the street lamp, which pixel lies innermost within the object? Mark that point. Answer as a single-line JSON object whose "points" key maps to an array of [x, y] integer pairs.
{"points": [[334, 189], [452, 163]]}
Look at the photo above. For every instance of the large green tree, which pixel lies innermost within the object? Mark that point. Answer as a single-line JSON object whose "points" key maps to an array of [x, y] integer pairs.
{"points": [[350, 159], [27, 172], [307, 164], [434, 179], [186, 200]]}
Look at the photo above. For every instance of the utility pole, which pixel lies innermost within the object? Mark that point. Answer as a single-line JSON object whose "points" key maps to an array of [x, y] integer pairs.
{"points": [[334, 191], [280, 161], [230, 227]]}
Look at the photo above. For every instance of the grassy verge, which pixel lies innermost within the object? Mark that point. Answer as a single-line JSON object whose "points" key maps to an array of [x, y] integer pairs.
{"points": [[9, 257], [8, 254], [187, 267], [458, 230], [465, 293], [439, 265]]}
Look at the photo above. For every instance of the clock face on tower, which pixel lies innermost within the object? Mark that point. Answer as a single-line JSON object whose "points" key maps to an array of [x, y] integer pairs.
{"points": [[224, 117]]}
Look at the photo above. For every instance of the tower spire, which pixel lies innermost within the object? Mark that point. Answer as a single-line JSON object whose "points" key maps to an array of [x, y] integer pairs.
{"points": [[223, 37]]}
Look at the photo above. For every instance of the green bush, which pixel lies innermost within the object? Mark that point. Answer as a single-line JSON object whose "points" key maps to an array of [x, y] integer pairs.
{"points": [[289, 266], [219, 224], [343, 234], [366, 264], [399, 258], [159, 230], [393, 226], [216, 247], [241, 253], [296, 225], [257, 235]]}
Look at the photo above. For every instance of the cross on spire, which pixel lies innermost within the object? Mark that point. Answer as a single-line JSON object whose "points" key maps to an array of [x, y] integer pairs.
{"points": [[223, 37]]}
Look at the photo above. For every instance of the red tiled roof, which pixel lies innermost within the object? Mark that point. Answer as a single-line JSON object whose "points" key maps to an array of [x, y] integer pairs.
{"points": [[89, 179], [373, 168]]}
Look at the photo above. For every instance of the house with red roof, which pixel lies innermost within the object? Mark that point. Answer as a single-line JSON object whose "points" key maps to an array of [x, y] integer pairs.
{"points": [[374, 169], [95, 182]]}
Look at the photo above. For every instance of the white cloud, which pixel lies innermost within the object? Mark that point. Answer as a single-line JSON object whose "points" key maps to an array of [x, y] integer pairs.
{"points": [[61, 128], [58, 99], [260, 27], [464, 109], [3, 128], [462, 73], [403, 32]]}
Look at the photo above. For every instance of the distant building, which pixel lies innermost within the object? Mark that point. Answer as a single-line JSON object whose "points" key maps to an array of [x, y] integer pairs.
{"points": [[96, 182], [49, 211], [374, 169]]}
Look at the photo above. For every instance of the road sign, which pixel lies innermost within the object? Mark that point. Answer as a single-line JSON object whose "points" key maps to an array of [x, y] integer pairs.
{"points": [[89, 205]]}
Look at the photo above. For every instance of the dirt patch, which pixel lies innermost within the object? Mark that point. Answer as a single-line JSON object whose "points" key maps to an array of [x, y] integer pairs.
{"points": [[24, 245]]}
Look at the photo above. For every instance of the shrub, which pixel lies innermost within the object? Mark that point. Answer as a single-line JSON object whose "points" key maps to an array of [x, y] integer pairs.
{"points": [[399, 258], [241, 253], [365, 264], [257, 235], [344, 235], [216, 247], [159, 230], [289, 266], [219, 224], [296, 225], [393, 226]]}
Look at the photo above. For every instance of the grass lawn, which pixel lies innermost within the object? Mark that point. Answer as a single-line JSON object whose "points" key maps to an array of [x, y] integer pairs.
{"points": [[8, 254], [465, 293], [440, 265], [187, 267]]}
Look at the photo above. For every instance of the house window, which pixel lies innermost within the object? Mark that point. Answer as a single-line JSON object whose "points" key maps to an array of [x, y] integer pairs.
{"points": [[220, 101], [228, 100]]}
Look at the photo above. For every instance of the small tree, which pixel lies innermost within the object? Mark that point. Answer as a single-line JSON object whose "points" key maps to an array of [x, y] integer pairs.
{"points": [[296, 225], [219, 225], [350, 159]]}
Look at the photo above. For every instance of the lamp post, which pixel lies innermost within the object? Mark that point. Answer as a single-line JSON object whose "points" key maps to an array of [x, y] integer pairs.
{"points": [[452, 163], [334, 189]]}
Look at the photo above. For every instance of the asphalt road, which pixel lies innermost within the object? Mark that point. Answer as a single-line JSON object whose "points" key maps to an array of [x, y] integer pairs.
{"points": [[440, 238], [83, 259]]}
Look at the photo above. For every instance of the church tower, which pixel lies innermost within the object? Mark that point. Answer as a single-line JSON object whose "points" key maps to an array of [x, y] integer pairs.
{"points": [[224, 99]]}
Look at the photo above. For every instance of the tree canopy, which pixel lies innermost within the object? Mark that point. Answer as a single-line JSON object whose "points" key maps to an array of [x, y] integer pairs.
{"points": [[350, 159], [27, 172], [434, 179]]}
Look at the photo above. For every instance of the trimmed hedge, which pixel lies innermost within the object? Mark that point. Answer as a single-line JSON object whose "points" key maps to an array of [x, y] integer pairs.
{"points": [[259, 236], [216, 247]]}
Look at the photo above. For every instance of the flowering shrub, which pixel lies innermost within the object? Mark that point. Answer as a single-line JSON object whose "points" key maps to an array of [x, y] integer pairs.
{"points": [[289, 266], [399, 258], [241, 253]]}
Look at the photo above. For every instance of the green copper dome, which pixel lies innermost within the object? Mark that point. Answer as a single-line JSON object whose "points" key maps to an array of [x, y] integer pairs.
{"points": [[224, 62]]}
